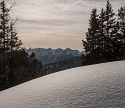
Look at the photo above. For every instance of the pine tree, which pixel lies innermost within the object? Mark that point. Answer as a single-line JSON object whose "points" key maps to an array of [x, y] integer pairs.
{"points": [[91, 43], [8, 36], [121, 21], [110, 23], [4, 26], [8, 41], [103, 39], [101, 34], [16, 66], [25, 67], [14, 43]]}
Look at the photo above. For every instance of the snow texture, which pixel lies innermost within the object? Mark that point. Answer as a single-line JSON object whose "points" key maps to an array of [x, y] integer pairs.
{"points": [[95, 86]]}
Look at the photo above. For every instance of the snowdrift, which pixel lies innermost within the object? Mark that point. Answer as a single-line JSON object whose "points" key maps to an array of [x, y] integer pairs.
{"points": [[95, 86]]}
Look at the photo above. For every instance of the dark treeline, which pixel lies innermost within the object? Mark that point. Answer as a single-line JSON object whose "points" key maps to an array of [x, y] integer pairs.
{"points": [[16, 66], [105, 38]]}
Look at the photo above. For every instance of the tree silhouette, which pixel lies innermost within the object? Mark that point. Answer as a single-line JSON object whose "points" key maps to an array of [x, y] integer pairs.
{"points": [[91, 43], [16, 66], [121, 22], [105, 39]]}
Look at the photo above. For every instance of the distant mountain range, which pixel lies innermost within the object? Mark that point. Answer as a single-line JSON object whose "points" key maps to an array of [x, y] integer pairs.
{"points": [[49, 55], [57, 59]]}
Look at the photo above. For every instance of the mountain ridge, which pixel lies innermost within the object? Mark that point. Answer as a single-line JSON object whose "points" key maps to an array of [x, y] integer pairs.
{"points": [[49, 55]]}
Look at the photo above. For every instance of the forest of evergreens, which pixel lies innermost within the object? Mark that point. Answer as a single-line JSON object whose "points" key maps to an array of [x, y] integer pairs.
{"points": [[105, 38], [16, 66]]}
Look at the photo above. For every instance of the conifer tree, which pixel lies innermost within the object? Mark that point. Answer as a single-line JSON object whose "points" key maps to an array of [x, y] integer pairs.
{"points": [[121, 21], [91, 35], [16, 66], [8, 36], [101, 34], [92, 43], [110, 23], [8, 41], [4, 26], [14, 43], [105, 39]]}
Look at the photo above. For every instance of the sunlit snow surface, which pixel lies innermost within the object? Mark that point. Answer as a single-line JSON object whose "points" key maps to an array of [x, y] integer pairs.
{"points": [[95, 86]]}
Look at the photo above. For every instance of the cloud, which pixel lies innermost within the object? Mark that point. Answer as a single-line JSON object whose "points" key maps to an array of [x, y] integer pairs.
{"points": [[55, 22]]}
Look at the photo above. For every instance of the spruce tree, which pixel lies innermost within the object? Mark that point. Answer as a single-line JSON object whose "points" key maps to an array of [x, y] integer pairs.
{"points": [[8, 42], [4, 26], [15, 43], [105, 36], [16, 66], [110, 22], [121, 21], [8, 36], [102, 38], [91, 43]]}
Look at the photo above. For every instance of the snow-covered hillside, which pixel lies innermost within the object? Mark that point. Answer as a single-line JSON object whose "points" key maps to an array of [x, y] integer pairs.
{"points": [[49, 55], [95, 86]]}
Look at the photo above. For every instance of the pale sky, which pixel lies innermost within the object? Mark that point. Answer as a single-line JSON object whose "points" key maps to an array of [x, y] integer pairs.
{"points": [[55, 23]]}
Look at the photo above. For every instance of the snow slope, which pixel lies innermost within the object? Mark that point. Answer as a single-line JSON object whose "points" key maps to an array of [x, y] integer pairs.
{"points": [[95, 86]]}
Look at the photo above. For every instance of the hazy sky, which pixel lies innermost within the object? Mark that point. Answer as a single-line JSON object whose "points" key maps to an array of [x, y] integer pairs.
{"points": [[55, 23]]}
